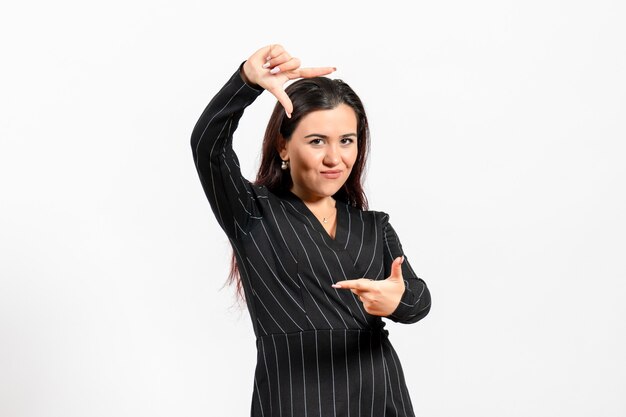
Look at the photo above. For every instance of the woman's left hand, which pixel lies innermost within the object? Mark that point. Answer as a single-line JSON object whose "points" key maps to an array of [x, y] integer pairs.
{"points": [[379, 298]]}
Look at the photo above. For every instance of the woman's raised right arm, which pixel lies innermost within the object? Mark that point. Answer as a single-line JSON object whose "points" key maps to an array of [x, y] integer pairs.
{"points": [[229, 193]]}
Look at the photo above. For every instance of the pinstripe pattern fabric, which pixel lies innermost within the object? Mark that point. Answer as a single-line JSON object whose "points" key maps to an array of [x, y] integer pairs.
{"points": [[319, 353]]}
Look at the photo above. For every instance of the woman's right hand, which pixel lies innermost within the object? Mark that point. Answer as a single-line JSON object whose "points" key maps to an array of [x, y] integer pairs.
{"points": [[271, 67]]}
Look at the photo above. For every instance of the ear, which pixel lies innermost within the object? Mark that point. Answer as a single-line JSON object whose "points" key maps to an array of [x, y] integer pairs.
{"points": [[283, 150]]}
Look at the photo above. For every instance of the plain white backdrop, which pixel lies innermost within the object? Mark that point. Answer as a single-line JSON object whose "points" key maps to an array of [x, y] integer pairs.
{"points": [[498, 148]]}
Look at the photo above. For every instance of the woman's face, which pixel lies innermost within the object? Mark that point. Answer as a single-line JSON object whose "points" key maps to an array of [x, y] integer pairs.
{"points": [[321, 152]]}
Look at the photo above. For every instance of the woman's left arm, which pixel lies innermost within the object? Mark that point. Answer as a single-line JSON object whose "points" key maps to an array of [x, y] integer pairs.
{"points": [[415, 302], [402, 297]]}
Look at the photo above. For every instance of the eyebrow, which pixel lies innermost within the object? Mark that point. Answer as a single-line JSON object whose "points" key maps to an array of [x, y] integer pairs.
{"points": [[326, 137]]}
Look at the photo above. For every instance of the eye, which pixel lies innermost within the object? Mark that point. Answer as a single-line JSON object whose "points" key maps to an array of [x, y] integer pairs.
{"points": [[347, 141], [316, 141]]}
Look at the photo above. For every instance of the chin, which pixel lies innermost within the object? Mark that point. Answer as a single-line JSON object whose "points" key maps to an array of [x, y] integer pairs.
{"points": [[333, 191]]}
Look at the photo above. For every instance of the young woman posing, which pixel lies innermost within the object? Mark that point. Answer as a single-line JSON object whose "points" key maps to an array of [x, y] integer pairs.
{"points": [[319, 271]]}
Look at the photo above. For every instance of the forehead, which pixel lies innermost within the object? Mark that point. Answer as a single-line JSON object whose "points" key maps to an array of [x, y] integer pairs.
{"points": [[338, 121]]}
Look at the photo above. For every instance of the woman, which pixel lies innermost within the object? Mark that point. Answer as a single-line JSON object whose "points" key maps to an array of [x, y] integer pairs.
{"points": [[319, 271]]}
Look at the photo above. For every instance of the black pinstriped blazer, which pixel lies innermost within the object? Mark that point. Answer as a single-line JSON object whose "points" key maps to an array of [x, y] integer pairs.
{"points": [[319, 353]]}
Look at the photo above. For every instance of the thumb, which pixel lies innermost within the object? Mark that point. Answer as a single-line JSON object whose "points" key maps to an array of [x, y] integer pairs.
{"points": [[284, 100], [396, 268]]}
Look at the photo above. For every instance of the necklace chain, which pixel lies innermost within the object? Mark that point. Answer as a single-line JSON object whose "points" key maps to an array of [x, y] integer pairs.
{"points": [[326, 219]]}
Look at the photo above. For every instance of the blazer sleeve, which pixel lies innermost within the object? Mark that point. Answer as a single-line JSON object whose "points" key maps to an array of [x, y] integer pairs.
{"points": [[230, 195], [415, 302]]}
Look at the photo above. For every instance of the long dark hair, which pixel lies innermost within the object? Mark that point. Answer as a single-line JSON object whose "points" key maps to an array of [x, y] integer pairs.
{"points": [[309, 95]]}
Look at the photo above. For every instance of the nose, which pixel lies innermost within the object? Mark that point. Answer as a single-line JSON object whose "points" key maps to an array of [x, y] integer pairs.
{"points": [[332, 156]]}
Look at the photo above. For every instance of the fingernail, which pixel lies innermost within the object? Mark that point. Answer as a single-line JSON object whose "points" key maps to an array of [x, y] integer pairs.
{"points": [[267, 64], [275, 70], [288, 115], [334, 68], [336, 286], [402, 260]]}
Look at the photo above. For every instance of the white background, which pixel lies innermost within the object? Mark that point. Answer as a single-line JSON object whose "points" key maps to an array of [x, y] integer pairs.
{"points": [[497, 148]]}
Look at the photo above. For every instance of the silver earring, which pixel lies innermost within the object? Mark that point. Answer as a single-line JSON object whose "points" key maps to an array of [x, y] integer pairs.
{"points": [[284, 165]]}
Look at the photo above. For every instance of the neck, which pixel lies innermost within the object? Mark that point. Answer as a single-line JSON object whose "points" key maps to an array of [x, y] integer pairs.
{"points": [[322, 203]]}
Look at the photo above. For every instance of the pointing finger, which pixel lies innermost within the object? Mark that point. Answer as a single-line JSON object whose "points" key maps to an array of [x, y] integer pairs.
{"points": [[314, 72], [361, 284]]}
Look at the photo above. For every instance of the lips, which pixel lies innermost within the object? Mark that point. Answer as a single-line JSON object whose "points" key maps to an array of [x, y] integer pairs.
{"points": [[331, 174]]}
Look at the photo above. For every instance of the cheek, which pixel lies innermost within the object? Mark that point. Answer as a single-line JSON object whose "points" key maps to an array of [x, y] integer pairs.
{"points": [[351, 158], [301, 166], [308, 160]]}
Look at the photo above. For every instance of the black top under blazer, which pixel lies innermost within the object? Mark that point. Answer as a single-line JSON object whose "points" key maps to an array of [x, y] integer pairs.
{"points": [[319, 353]]}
